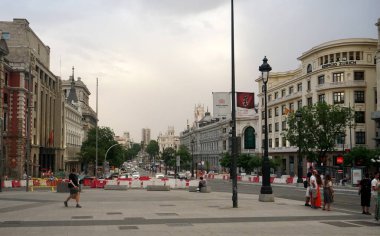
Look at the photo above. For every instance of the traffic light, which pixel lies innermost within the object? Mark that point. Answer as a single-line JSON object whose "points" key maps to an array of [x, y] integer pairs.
{"points": [[339, 160]]}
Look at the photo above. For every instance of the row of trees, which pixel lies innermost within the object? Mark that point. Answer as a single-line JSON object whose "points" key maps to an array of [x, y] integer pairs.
{"points": [[247, 162]]}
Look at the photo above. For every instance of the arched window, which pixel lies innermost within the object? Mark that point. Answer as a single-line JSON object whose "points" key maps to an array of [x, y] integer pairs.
{"points": [[249, 138], [309, 68]]}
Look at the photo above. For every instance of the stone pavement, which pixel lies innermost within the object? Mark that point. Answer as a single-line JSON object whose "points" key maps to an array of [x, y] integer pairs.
{"points": [[175, 212]]}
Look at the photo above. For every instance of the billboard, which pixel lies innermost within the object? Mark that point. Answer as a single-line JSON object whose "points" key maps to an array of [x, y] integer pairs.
{"points": [[221, 104]]}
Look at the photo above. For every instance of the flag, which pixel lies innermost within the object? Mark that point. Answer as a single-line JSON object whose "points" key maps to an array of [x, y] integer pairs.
{"points": [[51, 138], [286, 111], [245, 100]]}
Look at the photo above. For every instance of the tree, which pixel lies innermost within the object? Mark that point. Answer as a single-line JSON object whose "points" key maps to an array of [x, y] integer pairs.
{"points": [[320, 124], [152, 149], [185, 157], [132, 152], [168, 155], [87, 154], [359, 156], [225, 161]]}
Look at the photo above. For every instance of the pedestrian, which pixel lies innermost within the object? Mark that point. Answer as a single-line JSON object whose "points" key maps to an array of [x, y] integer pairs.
{"points": [[374, 188], [307, 186], [313, 189], [202, 183], [318, 199], [365, 193], [377, 209], [74, 188], [328, 193]]}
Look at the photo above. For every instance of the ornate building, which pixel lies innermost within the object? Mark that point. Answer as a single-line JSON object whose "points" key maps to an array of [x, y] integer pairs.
{"points": [[31, 105], [169, 139], [339, 72]]}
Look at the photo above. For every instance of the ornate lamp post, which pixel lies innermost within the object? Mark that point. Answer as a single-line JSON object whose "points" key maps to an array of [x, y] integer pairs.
{"points": [[266, 193], [192, 157], [299, 171]]}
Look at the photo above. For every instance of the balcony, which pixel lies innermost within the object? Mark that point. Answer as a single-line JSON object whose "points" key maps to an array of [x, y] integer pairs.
{"points": [[343, 84]]}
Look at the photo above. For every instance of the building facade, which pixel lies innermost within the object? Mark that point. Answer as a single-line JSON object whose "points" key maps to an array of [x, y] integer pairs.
{"points": [[145, 137], [376, 113], [32, 105], [338, 72], [209, 139], [169, 139]]}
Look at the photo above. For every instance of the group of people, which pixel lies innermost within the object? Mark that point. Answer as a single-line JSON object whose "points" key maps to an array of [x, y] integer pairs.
{"points": [[369, 190], [314, 185]]}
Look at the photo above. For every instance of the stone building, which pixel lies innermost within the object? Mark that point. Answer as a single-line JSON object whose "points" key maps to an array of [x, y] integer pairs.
{"points": [[209, 139], [339, 72], [169, 139], [31, 104]]}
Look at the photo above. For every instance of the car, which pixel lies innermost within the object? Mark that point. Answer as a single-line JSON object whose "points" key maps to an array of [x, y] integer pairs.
{"points": [[111, 176], [135, 175], [125, 176], [160, 176], [180, 176]]}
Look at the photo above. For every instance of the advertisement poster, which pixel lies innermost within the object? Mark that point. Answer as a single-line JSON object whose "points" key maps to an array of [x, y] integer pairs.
{"points": [[356, 176]]}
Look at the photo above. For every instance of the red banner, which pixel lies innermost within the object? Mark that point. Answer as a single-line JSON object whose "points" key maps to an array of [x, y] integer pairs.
{"points": [[245, 100]]}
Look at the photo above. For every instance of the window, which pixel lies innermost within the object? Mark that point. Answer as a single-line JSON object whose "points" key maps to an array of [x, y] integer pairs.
{"points": [[283, 126], [276, 142], [283, 109], [249, 138], [291, 89], [291, 107], [283, 142], [321, 79], [299, 87], [269, 97], [338, 77], [270, 142], [326, 59], [263, 115], [321, 98], [276, 127], [310, 101], [270, 128], [351, 56], [358, 56], [263, 128], [275, 95], [309, 68], [308, 85], [283, 93], [331, 58], [276, 111], [344, 57], [359, 96], [359, 117], [299, 104], [338, 97], [358, 75], [360, 137], [269, 113], [337, 56]]}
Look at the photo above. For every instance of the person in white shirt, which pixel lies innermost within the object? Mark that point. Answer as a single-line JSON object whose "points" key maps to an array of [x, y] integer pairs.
{"points": [[374, 183], [313, 188]]}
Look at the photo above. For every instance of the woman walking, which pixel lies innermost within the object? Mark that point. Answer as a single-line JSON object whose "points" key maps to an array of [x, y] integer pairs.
{"points": [[365, 194], [328, 193]]}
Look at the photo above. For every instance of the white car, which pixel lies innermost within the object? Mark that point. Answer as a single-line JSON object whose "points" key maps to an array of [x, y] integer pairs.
{"points": [[135, 175], [160, 176]]}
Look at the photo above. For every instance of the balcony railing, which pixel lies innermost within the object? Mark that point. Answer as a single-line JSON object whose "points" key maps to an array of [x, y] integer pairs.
{"points": [[343, 84]]}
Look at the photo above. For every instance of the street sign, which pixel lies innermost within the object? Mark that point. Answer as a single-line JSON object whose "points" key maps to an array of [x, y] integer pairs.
{"points": [[339, 171]]}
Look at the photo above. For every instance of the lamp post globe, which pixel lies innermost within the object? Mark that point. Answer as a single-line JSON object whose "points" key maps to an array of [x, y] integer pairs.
{"points": [[300, 163], [266, 193]]}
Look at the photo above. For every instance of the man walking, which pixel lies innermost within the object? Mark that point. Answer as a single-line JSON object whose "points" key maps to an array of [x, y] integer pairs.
{"points": [[74, 188]]}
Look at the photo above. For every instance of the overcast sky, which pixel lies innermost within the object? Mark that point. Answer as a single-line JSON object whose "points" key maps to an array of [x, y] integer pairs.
{"points": [[157, 59]]}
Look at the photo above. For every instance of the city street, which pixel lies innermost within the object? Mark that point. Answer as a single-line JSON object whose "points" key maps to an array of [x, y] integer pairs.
{"points": [[175, 212]]}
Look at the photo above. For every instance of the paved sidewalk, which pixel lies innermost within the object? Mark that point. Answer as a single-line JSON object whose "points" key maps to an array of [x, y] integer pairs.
{"points": [[176, 212]]}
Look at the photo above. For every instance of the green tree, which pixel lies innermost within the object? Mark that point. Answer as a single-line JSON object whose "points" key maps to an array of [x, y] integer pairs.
{"points": [[225, 161], [320, 126], [87, 154], [185, 157], [152, 149], [360, 155], [169, 157], [132, 152]]}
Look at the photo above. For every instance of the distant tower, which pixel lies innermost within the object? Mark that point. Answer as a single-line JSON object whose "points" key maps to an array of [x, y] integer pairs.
{"points": [[199, 113], [145, 137]]}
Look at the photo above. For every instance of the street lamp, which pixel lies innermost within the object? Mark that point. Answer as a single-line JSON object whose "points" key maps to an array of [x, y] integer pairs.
{"points": [[266, 193], [192, 157], [105, 156], [299, 171]]}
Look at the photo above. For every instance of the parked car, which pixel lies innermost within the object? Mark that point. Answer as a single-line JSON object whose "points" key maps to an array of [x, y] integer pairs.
{"points": [[160, 176], [125, 176], [135, 175], [180, 176]]}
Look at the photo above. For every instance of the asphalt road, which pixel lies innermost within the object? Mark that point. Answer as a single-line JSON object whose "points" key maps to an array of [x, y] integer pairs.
{"points": [[345, 199]]}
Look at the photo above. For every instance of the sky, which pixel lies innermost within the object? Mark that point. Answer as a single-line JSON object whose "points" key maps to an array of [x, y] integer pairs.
{"points": [[156, 59]]}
